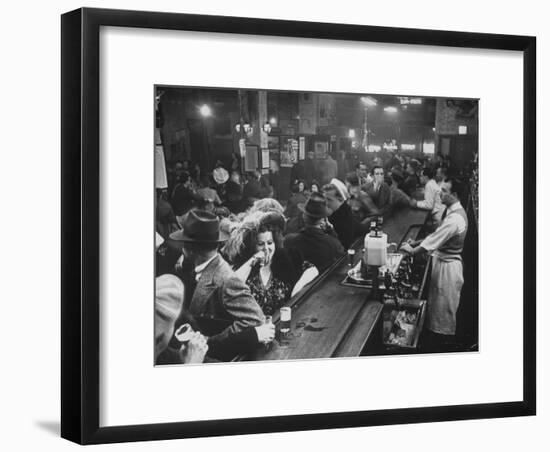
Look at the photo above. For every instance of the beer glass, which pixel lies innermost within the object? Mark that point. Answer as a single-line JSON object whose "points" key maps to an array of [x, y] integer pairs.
{"points": [[285, 320], [351, 257]]}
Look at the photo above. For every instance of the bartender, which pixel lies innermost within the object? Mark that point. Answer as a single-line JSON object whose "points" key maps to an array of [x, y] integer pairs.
{"points": [[445, 245]]}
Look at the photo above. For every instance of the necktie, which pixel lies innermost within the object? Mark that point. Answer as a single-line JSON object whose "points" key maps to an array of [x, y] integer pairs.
{"points": [[190, 284], [187, 275], [444, 213]]}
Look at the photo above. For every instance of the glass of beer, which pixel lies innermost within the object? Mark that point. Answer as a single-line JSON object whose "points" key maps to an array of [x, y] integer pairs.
{"points": [[285, 320], [351, 257]]}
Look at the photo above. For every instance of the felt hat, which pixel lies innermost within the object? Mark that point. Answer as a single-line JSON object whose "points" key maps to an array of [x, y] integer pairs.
{"points": [[168, 303], [206, 195], [315, 206], [341, 187], [220, 175], [200, 226]]}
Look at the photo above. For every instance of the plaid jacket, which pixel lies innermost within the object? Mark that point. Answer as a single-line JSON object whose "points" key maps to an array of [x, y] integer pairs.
{"points": [[222, 304]]}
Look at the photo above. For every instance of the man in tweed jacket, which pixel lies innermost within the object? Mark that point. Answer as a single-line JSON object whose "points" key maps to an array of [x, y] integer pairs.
{"points": [[220, 303]]}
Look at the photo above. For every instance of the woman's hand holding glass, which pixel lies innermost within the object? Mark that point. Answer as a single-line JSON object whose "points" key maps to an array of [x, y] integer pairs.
{"points": [[261, 258]]}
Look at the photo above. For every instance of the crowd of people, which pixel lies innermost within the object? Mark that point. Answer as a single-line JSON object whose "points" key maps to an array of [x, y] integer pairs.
{"points": [[229, 255]]}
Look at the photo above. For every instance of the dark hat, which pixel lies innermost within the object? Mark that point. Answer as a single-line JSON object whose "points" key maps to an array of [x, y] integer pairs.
{"points": [[315, 206], [397, 175], [274, 219], [206, 195], [200, 226]]}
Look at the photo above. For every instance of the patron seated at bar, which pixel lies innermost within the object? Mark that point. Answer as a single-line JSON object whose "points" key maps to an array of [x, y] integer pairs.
{"points": [[305, 170], [340, 216], [315, 187], [273, 273], [432, 196], [398, 198], [363, 175], [183, 195], [220, 303], [207, 198], [317, 241], [169, 292], [165, 220], [327, 170], [445, 245], [187, 345], [298, 197], [410, 182], [257, 187], [378, 190], [361, 204], [234, 193]]}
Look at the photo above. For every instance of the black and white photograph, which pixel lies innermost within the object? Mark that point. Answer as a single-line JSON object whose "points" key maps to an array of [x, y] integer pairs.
{"points": [[347, 242], [284, 226], [295, 225]]}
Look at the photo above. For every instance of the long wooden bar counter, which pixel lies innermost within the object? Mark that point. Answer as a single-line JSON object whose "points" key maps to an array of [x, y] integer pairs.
{"points": [[334, 320]]}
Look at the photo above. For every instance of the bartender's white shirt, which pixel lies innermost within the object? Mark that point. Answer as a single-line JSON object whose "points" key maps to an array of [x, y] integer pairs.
{"points": [[452, 224], [432, 198]]}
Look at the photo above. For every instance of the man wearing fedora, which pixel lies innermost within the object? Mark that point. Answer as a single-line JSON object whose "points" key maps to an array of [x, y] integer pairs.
{"points": [[220, 303], [317, 240]]}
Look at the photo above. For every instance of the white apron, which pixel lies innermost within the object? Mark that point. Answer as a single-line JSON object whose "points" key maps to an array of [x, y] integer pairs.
{"points": [[444, 296]]}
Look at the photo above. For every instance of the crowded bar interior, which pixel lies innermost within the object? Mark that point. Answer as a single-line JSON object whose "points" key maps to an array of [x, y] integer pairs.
{"points": [[294, 225]]}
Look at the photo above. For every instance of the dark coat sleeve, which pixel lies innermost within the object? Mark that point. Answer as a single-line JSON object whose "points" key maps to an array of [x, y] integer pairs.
{"points": [[170, 355], [234, 344], [369, 206], [342, 220], [384, 198]]}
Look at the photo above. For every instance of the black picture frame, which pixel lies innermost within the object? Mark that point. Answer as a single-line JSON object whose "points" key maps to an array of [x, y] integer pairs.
{"points": [[80, 167]]}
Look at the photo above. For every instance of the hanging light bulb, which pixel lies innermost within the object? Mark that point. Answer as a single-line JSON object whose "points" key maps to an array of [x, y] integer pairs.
{"points": [[205, 110], [369, 101]]}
